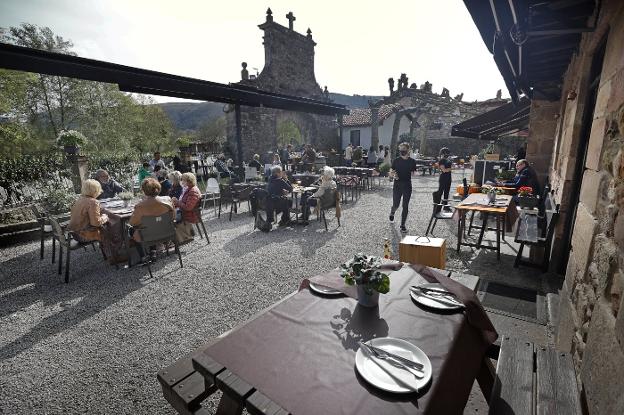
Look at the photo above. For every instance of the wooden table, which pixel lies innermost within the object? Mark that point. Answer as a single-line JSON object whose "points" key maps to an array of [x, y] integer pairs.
{"points": [[187, 382], [118, 217], [477, 202]]}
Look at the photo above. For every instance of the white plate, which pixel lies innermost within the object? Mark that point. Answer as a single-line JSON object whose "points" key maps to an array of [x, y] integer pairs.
{"points": [[320, 289], [429, 302], [384, 375]]}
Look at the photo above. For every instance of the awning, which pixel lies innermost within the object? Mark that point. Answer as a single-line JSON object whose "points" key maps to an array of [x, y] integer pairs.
{"points": [[504, 120], [143, 81], [532, 41]]}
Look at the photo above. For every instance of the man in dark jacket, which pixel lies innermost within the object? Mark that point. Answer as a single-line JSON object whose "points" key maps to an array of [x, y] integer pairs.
{"points": [[110, 188], [525, 176], [278, 189]]}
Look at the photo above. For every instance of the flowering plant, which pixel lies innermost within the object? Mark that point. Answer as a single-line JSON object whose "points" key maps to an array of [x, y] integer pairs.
{"points": [[364, 270], [70, 138], [126, 195], [525, 191], [487, 189]]}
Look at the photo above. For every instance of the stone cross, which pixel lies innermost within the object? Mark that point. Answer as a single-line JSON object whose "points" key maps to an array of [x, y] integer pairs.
{"points": [[291, 18]]}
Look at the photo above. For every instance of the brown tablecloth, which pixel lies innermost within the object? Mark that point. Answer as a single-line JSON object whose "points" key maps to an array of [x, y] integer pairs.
{"points": [[113, 238], [301, 353]]}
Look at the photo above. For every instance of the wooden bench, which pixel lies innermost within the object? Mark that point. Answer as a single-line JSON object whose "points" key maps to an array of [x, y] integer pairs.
{"points": [[536, 228], [532, 379]]}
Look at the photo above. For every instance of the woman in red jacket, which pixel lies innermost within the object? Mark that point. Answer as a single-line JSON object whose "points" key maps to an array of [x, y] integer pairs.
{"points": [[188, 205]]}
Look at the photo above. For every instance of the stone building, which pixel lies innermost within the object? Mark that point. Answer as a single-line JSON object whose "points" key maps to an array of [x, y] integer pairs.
{"points": [[414, 114], [576, 129], [288, 69]]}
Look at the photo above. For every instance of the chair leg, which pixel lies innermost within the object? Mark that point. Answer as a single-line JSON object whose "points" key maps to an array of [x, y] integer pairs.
{"points": [[67, 265], [471, 219], [53, 248], [199, 230], [324, 219], [205, 233], [42, 243], [429, 226], [338, 218], [219, 214], [149, 267], [435, 221], [231, 209], [177, 249], [519, 256], [103, 253], [60, 260]]}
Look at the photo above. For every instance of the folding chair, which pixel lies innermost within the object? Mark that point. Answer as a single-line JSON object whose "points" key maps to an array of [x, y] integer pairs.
{"points": [[439, 213], [329, 200]]}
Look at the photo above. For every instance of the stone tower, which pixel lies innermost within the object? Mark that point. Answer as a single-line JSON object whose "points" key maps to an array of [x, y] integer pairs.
{"points": [[288, 69]]}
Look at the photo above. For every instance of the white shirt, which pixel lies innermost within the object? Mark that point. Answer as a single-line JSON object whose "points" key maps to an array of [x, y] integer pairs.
{"points": [[348, 153]]}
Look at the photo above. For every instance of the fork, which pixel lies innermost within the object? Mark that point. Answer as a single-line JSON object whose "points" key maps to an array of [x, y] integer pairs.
{"points": [[392, 361]]}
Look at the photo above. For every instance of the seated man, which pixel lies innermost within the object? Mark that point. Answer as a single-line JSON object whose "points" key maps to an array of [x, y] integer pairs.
{"points": [[525, 176], [222, 167], [308, 158], [278, 189], [110, 188]]}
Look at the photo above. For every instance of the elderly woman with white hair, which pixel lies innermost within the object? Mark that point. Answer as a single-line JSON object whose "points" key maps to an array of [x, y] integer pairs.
{"points": [[175, 178], [327, 184], [86, 220]]}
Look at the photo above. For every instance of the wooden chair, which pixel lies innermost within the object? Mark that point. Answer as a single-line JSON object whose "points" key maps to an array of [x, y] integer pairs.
{"points": [[439, 212], [156, 230], [69, 242]]}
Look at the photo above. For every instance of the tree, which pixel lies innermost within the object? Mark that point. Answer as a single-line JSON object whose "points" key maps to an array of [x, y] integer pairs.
{"points": [[288, 133], [212, 132]]}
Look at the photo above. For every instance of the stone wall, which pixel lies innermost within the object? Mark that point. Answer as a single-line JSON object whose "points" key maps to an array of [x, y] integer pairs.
{"points": [[591, 324]]}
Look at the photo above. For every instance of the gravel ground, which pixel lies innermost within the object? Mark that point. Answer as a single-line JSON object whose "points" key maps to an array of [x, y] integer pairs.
{"points": [[94, 345]]}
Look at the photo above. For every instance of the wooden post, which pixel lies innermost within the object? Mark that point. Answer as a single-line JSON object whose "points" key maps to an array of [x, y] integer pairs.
{"points": [[239, 144]]}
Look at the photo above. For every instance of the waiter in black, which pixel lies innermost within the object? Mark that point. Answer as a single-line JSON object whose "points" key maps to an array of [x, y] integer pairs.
{"points": [[402, 169], [444, 185]]}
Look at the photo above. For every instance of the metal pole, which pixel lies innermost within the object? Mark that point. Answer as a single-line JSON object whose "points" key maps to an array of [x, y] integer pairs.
{"points": [[239, 144]]}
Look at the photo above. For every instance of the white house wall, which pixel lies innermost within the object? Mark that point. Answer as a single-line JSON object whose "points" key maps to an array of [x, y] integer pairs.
{"points": [[385, 132]]}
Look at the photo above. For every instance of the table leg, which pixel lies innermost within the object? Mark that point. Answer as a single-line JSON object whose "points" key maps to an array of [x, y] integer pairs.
{"points": [[498, 236], [126, 241], [229, 406], [483, 227], [460, 228]]}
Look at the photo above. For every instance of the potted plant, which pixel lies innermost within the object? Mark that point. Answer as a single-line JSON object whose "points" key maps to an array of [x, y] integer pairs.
{"points": [[363, 271], [384, 168], [184, 144], [126, 197], [525, 198], [58, 200], [71, 141]]}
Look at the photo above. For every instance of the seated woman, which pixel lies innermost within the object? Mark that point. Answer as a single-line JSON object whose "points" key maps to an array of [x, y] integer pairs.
{"points": [[176, 187], [256, 163], [149, 206], [327, 184], [187, 203], [86, 220], [144, 172]]}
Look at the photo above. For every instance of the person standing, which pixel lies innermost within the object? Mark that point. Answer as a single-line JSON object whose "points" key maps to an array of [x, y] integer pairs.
{"points": [[157, 161], [348, 155], [402, 169], [371, 157], [444, 184], [380, 155]]}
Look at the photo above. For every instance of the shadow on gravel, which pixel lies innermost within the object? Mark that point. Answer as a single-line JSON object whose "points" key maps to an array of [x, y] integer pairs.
{"points": [[94, 285], [310, 238]]}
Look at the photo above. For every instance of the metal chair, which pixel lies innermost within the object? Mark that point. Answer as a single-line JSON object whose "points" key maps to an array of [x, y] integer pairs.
{"points": [[240, 196], [200, 221], [212, 193], [329, 200], [68, 241], [439, 212], [156, 230]]}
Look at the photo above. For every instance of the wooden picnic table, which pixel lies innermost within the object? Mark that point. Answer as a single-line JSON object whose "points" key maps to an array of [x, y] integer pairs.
{"points": [[504, 210], [298, 357]]}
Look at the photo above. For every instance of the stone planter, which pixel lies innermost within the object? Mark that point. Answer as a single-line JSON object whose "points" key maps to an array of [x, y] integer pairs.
{"points": [[527, 202], [367, 300], [72, 150]]}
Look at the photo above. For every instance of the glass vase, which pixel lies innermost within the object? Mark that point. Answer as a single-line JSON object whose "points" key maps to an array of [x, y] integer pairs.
{"points": [[365, 299]]}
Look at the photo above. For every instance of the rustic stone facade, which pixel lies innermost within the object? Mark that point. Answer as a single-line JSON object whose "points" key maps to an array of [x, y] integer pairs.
{"points": [[591, 324], [288, 69]]}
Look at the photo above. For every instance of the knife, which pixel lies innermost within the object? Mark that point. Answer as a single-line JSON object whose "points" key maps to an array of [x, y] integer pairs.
{"points": [[442, 299], [403, 360]]}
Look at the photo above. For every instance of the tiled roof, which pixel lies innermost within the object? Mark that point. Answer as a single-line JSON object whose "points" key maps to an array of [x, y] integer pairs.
{"points": [[362, 116]]}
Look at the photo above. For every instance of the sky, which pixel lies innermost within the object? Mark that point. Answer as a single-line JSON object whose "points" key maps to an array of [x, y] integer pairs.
{"points": [[360, 43]]}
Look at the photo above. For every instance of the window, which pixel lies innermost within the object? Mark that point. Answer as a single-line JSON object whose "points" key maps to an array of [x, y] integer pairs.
{"points": [[355, 137]]}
